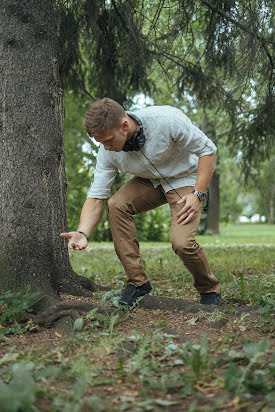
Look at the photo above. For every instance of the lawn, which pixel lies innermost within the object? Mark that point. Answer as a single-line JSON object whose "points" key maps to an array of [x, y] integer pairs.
{"points": [[155, 360], [241, 234]]}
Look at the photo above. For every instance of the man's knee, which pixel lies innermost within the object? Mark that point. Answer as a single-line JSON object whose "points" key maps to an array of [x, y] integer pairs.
{"points": [[117, 203], [184, 247]]}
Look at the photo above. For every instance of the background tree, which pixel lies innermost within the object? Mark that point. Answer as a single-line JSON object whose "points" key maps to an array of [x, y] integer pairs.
{"points": [[217, 56], [263, 183], [210, 65]]}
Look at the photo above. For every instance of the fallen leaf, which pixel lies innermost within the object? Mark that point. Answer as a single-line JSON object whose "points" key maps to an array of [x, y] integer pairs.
{"points": [[206, 390], [131, 394], [58, 335], [163, 402]]}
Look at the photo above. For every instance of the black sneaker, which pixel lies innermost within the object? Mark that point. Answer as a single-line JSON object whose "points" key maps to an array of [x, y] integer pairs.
{"points": [[131, 293], [212, 298]]}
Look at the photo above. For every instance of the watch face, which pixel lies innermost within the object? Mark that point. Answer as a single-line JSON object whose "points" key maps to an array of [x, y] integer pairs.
{"points": [[201, 195]]}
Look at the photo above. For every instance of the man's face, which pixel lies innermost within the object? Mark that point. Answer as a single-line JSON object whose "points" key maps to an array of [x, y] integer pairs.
{"points": [[113, 139]]}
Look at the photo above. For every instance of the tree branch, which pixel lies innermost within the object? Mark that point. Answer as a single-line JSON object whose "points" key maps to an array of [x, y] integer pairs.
{"points": [[242, 27], [86, 92], [119, 15]]}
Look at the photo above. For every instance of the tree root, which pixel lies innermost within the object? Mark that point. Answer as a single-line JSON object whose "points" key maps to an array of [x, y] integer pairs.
{"points": [[48, 317], [74, 310], [78, 285], [177, 305], [62, 315]]}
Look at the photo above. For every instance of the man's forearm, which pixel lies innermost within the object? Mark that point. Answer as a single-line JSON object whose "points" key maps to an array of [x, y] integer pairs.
{"points": [[90, 215], [205, 172]]}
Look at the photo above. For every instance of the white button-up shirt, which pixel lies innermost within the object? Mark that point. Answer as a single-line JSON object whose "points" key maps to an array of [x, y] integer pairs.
{"points": [[173, 145]]}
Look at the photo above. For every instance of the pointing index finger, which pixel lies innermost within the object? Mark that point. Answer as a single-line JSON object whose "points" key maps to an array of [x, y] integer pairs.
{"points": [[66, 235]]}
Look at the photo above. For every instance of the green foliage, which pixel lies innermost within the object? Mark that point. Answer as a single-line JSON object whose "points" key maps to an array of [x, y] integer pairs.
{"points": [[79, 164], [13, 308], [154, 225], [76, 401], [230, 186], [197, 358], [110, 47], [113, 295], [267, 317], [208, 62], [102, 48], [78, 324], [19, 393], [249, 278], [262, 182], [115, 360], [242, 380]]}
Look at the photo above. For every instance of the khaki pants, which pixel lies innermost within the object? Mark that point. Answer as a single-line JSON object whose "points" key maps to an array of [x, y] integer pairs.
{"points": [[139, 195]]}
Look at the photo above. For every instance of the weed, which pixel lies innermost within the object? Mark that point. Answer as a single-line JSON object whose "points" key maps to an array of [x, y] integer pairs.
{"points": [[266, 317], [76, 401], [103, 365], [13, 308], [196, 358], [113, 295], [238, 380], [215, 316], [19, 393]]}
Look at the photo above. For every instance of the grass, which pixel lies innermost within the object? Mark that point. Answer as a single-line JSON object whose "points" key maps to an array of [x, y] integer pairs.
{"points": [[155, 360], [247, 274], [241, 234]]}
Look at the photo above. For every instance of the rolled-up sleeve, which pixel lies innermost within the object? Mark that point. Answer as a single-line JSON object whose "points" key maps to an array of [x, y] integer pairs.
{"points": [[190, 138], [104, 176]]}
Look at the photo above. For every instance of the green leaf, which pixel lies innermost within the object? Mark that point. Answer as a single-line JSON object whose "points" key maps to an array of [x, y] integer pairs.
{"points": [[78, 324], [19, 394], [231, 377], [8, 357], [47, 372], [8, 400], [192, 321], [255, 349]]}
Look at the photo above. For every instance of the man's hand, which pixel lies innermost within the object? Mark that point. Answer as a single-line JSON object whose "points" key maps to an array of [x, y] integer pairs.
{"points": [[77, 240], [190, 210]]}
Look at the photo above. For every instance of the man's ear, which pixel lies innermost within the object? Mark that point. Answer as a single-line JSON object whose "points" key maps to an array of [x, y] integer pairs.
{"points": [[125, 124]]}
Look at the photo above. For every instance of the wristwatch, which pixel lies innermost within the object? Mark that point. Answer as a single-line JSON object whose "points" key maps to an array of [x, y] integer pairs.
{"points": [[83, 234], [201, 195]]}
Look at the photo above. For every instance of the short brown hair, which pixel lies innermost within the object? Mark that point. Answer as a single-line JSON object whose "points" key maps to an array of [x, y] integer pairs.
{"points": [[102, 115]]}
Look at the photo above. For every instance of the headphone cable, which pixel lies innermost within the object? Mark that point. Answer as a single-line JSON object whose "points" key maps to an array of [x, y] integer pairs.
{"points": [[166, 181]]}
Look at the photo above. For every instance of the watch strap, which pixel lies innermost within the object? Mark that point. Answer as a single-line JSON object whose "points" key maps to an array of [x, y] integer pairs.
{"points": [[83, 234]]}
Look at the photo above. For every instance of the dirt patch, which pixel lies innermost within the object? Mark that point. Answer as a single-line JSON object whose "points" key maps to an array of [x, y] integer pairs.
{"points": [[183, 319], [178, 321]]}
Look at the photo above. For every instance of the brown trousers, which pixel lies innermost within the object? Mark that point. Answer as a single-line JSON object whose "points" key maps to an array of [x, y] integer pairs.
{"points": [[139, 195]]}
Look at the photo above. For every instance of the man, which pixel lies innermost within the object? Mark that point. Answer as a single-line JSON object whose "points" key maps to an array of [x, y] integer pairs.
{"points": [[172, 161]]}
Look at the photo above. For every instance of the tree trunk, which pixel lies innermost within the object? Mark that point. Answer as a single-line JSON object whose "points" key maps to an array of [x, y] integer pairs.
{"points": [[213, 212], [33, 183], [271, 206]]}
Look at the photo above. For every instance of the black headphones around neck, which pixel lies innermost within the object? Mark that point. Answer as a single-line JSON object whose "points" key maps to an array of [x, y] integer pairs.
{"points": [[137, 141]]}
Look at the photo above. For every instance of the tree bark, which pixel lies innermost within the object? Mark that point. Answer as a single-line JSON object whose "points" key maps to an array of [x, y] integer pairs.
{"points": [[271, 206], [33, 183], [213, 212]]}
